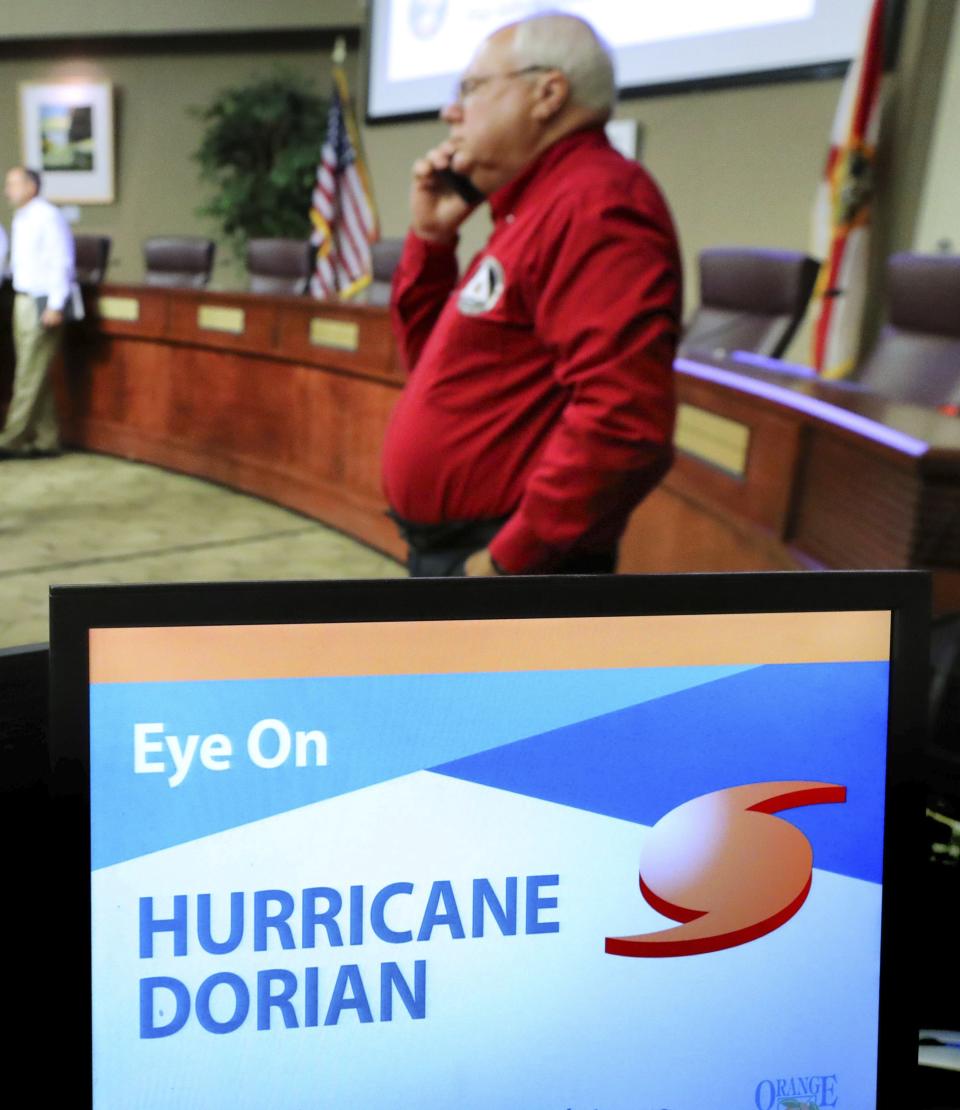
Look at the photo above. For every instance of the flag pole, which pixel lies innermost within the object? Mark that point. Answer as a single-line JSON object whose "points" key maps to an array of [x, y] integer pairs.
{"points": [[338, 57]]}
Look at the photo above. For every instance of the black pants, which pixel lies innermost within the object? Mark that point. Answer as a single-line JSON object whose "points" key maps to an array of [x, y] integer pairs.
{"points": [[440, 550]]}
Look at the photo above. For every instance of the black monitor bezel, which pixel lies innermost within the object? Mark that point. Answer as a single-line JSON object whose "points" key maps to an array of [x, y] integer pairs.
{"points": [[74, 610]]}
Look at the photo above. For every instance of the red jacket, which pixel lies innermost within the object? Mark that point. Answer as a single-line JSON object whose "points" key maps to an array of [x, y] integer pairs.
{"points": [[541, 385]]}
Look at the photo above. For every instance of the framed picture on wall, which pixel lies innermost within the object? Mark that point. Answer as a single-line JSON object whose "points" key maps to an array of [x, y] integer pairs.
{"points": [[66, 132]]}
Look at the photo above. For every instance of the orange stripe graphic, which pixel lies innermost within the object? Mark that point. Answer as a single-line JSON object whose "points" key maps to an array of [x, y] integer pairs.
{"points": [[455, 647]]}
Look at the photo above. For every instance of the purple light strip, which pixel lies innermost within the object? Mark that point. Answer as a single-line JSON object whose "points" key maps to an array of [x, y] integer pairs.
{"points": [[774, 365], [830, 414]]}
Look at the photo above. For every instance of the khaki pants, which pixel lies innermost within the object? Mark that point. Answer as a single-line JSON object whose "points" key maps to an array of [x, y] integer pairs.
{"points": [[31, 418]]}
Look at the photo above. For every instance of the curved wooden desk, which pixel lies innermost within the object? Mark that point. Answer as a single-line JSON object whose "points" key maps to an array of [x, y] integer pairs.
{"points": [[284, 397], [778, 471], [288, 398]]}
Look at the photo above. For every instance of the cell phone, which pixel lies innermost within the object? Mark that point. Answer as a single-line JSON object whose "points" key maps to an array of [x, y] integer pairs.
{"points": [[461, 185]]}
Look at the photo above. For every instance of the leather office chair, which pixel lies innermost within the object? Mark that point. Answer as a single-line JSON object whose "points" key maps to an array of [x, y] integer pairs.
{"points": [[279, 265], [750, 300], [385, 255], [92, 253], [178, 260], [917, 355]]}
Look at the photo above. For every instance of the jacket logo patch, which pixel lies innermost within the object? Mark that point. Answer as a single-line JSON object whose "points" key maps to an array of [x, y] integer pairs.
{"points": [[484, 289]]}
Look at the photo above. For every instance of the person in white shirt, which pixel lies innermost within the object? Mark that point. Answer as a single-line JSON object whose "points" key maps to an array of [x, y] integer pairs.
{"points": [[3, 253], [42, 265]]}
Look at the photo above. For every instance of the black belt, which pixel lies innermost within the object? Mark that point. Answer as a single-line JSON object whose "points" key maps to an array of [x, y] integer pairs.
{"points": [[449, 534]]}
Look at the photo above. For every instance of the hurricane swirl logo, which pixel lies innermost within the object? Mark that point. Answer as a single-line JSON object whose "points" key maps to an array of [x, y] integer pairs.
{"points": [[726, 868]]}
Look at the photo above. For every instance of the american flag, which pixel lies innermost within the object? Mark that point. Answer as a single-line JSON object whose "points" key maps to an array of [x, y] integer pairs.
{"points": [[342, 211]]}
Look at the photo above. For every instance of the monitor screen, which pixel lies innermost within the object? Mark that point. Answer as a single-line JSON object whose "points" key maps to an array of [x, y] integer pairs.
{"points": [[552, 843], [418, 48]]}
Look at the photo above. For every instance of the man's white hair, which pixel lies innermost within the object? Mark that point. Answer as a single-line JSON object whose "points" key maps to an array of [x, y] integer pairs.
{"points": [[561, 41]]}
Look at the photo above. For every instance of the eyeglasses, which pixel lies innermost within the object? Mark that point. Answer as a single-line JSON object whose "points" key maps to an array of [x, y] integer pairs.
{"points": [[469, 85]]}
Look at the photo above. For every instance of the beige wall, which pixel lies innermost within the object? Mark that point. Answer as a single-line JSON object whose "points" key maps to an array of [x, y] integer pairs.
{"points": [[939, 221], [732, 169], [158, 190], [913, 97], [738, 166], [60, 18]]}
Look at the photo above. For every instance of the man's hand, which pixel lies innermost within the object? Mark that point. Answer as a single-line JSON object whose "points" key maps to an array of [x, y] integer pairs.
{"points": [[51, 318], [481, 565], [436, 210]]}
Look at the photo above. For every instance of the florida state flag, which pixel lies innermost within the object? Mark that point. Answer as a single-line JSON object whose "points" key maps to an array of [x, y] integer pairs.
{"points": [[841, 216]]}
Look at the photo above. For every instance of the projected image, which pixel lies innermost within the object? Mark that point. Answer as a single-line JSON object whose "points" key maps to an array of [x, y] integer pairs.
{"points": [[622, 26], [420, 46], [439, 36]]}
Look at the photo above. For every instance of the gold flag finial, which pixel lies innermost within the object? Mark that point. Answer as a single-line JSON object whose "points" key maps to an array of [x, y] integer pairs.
{"points": [[340, 51]]}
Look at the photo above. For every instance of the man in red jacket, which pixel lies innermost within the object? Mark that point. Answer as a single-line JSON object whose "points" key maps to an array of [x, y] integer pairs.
{"points": [[539, 407]]}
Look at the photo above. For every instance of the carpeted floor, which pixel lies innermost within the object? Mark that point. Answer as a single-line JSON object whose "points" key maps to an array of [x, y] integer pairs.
{"points": [[92, 519]]}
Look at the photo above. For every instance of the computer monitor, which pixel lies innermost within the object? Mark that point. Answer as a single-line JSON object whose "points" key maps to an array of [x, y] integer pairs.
{"points": [[564, 843]]}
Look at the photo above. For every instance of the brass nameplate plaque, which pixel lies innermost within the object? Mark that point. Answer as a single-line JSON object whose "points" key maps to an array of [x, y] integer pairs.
{"points": [[713, 439], [344, 335], [119, 308], [212, 317]]}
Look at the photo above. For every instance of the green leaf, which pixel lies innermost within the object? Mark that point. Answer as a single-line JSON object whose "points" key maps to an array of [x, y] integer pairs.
{"points": [[258, 153]]}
